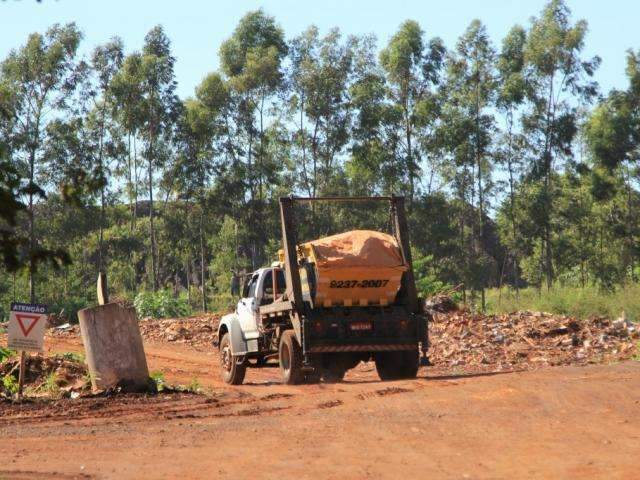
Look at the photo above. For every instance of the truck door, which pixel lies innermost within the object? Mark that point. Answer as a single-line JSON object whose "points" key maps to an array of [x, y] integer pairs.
{"points": [[248, 309]]}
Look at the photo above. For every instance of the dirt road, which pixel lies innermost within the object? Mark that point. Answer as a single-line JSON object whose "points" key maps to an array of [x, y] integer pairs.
{"points": [[564, 422]]}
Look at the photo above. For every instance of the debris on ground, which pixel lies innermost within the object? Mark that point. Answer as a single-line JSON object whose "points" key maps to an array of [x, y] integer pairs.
{"points": [[461, 341], [199, 331], [465, 341], [55, 376]]}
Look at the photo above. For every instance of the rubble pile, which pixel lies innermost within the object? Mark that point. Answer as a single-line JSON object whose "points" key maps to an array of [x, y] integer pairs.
{"points": [[46, 376], [197, 331], [464, 341]]}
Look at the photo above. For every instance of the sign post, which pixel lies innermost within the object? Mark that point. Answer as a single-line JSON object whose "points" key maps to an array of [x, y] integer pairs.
{"points": [[26, 332]]}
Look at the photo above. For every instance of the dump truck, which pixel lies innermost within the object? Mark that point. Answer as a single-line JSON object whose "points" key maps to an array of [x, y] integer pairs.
{"points": [[327, 304]]}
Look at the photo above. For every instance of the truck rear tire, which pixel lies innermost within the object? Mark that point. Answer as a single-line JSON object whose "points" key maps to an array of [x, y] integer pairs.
{"points": [[232, 371], [397, 365], [290, 356]]}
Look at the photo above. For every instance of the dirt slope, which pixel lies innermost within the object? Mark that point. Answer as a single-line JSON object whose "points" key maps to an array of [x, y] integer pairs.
{"points": [[559, 422]]}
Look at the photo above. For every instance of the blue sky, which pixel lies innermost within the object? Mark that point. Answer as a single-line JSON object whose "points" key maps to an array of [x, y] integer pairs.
{"points": [[197, 27]]}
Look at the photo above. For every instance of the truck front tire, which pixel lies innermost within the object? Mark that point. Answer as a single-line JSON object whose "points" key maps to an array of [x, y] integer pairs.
{"points": [[290, 356], [397, 365], [232, 371]]}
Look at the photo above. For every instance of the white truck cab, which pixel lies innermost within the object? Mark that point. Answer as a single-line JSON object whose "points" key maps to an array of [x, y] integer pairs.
{"points": [[258, 290]]}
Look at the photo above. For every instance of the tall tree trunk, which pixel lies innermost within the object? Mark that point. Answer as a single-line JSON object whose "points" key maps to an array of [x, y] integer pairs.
{"points": [[512, 203], [410, 168], [102, 196], [479, 155], [152, 232], [135, 180], [202, 264], [130, 179], [547, 163], [32, 220], [188, 273]]}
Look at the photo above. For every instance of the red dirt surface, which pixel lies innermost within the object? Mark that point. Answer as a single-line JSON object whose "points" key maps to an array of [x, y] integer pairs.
{"points": [[555, 422]]}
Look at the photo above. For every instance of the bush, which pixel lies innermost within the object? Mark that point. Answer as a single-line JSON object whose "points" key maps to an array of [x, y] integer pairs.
{"points": [[427, 282], [5, 353], [223, 303], [160, 304]]}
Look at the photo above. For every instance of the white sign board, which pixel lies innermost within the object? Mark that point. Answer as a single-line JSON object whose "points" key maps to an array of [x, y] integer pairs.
{"points": [[26, 327]]}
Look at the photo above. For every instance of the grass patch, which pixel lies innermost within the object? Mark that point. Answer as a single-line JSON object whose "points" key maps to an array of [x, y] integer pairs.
{"points": [[577, 302], [50, 385], [194, 386], [10, 384], [158, 378], [73, 357]]}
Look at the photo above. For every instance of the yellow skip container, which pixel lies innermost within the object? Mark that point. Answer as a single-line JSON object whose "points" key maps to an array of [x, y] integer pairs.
{"points": [[356, 268]]}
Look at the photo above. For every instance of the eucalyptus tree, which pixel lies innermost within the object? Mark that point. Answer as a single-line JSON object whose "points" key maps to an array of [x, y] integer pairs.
{"points": [[127, 96], [41, 76], [252, 60], [199, 139], [322, 73], [510, 98], [106, 60], [160, 105], [412, 66], [469, 113], [613, 137], [10, 201], [559, 80]]}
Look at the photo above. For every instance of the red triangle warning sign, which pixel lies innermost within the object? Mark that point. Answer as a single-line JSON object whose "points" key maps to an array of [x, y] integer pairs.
{"points": [[27, 321]]}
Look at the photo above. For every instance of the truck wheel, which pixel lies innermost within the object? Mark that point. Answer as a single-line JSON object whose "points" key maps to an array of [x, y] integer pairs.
{"points": [[397, 365], [232, 372], [290, 356]]}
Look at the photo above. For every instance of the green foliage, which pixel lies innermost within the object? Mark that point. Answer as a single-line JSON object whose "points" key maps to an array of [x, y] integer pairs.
{"points": [[222, 302], [159, 380], [74, 357], [427, 280], [160, 304], [5, 353], [510, 178], [580, 302], [10, 384], [50, 384], [194, 386]]}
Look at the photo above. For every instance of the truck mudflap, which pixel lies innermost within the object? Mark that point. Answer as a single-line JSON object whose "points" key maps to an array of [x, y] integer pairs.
{"points": [[362, 348]]}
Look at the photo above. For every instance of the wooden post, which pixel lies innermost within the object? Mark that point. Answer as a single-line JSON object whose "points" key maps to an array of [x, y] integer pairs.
{"points": [[114, 349], [23, 359]]}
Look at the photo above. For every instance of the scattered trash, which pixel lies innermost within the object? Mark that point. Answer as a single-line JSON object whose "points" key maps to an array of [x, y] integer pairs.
{"points": [[526, 340]]}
